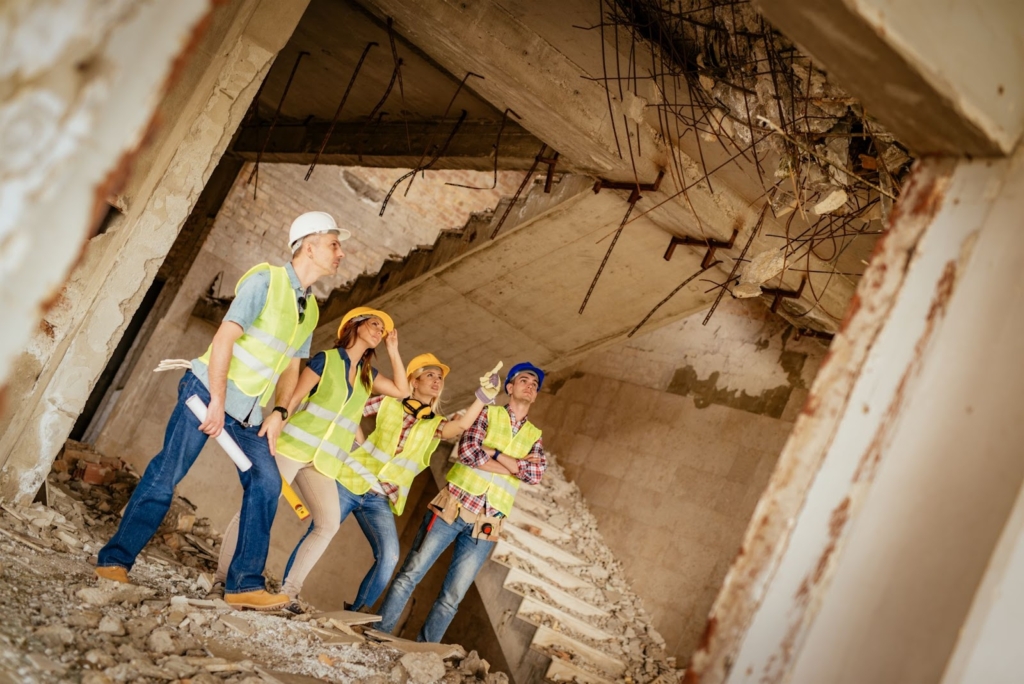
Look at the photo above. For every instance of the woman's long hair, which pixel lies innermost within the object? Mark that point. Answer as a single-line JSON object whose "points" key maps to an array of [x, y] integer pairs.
{"points": [[346, 339], [435, 403]]}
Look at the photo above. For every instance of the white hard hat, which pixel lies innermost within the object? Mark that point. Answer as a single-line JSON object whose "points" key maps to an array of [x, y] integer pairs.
{"points": [[312, 223]]}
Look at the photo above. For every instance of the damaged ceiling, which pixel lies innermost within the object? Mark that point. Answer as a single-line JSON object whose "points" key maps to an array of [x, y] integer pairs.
{"points": [[761, 153]]}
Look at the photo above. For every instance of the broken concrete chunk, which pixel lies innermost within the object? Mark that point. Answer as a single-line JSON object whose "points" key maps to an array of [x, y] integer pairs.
{"points": [[836, 199], [238, 625], [107, 591], [111, 625], [423, 668]]}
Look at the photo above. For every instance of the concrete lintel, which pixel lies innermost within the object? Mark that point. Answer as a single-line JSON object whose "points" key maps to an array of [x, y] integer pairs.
{"points": [[393, 144], [944, 79]]}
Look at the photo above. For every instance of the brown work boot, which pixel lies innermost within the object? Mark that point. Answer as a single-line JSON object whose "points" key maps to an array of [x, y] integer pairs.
{"points": [[259, 599], [114, 573]]}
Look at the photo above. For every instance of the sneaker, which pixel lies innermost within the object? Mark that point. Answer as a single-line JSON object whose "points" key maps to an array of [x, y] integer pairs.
{"points": [[259, 599], [294, 608], [114, 573], [216, 591]]}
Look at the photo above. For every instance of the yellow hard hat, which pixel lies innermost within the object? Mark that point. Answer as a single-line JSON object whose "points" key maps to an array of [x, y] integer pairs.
{"points": [[426, 361], [364, 311]]}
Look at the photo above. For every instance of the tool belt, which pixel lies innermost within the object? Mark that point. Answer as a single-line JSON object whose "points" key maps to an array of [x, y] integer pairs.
{"points": [[448, 508]]}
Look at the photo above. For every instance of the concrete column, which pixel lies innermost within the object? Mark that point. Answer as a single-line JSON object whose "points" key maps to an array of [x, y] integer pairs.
{"points": [[873, 536], [988, 650], [212, 91]]}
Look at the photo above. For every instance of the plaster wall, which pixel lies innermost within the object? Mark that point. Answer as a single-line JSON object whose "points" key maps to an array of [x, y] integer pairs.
{"points": [[672, 436], [249, 231]]}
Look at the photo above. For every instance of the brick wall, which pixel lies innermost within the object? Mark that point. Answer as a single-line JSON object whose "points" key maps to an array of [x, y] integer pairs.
{"points": [[671, 437]]}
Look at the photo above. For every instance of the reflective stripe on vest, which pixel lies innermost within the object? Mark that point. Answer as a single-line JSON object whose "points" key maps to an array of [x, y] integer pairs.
{"points": [[324, 426], [500, 489], [400, 469], [269, 344]]}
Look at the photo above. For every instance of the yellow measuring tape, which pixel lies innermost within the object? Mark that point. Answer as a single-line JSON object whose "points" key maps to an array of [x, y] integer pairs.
{"points": [[294, 501]]}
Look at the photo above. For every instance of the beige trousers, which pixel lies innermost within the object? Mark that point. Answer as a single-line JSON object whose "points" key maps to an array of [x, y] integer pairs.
{"points": [[320, 494]]}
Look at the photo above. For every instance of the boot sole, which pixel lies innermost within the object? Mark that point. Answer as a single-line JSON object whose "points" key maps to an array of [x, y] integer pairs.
{"points": [[262, 609]]}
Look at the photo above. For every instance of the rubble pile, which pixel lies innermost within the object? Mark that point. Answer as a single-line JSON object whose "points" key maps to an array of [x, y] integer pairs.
{"points": [[61, 624], [561, 507]]}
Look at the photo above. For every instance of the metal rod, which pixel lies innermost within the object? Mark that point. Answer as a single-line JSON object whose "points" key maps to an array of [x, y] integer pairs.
{"points": [[341, 105], [254, 175]]}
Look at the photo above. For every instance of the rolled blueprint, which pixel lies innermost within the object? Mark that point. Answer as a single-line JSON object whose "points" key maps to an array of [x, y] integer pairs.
{"points": [[229, 445]]}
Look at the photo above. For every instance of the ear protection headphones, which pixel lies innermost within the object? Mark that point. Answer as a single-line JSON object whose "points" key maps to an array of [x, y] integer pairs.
{"points": [[417, 409]]}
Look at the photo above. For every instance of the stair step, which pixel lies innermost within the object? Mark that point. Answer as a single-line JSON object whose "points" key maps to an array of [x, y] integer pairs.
{"points": [[536, 525], [547, 637], [556, 575], [533, 505], [561, 598], [564, 671], [541, 547], [530, 607]]}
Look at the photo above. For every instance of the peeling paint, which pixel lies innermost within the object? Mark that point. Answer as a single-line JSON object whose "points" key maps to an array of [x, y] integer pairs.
{"points": [[770, 402]]}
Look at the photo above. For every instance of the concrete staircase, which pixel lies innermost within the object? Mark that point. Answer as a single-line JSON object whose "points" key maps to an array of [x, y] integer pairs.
{"points": [[450, 245], [558, 600]]}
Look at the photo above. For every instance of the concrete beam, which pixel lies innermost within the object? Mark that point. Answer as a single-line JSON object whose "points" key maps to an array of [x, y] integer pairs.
{"points": [[205, 104], [944, 80], [393, 144], [526, 72]]}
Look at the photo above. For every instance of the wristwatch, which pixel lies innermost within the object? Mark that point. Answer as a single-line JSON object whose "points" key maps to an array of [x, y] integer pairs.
{"points": [[283, 411], [496, 454]]}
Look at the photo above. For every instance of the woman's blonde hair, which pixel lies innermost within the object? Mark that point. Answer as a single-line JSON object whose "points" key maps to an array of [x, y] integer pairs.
{"points": [[435, 403]]}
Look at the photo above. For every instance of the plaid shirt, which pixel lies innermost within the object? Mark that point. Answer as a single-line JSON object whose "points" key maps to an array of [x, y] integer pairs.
{"points": [[370, 409], [471, 453]]}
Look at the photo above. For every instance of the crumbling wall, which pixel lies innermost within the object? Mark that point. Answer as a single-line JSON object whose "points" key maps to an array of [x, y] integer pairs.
{"points": [[672, 436], [207, 99], [247, 232]]}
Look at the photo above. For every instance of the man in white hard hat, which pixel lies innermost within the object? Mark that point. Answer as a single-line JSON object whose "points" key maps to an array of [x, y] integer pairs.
{"points": [[256, 350]]}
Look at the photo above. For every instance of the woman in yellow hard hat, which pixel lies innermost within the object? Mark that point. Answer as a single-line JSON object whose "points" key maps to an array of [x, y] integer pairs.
{"points": [[322, 417], [406, 433]]}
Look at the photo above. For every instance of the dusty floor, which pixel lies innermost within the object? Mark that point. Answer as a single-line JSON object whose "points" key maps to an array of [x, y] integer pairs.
{"points": [[60, 624]]}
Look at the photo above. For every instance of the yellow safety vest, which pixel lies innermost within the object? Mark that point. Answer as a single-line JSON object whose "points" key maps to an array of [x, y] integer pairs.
{"points": [[378, 458], [500, 489], [266, 348], [324, 426]]}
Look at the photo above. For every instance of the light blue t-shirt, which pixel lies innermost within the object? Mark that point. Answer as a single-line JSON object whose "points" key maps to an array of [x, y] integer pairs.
{"points": [[247, 305]]}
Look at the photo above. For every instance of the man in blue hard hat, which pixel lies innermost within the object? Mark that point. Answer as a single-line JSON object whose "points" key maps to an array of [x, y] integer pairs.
{"points": [[501, 450]]}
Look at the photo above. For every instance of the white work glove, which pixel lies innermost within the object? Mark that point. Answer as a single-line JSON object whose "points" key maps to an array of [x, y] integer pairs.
{"points": [[490, 385]]}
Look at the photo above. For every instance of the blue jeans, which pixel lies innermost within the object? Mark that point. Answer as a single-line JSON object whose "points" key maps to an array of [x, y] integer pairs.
{"points": [[152, 497], [373, 513], [434, 537]]}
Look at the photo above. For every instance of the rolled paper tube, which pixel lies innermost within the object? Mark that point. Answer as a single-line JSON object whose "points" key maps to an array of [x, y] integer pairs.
{"points": [[293, 500], [196, 405]]}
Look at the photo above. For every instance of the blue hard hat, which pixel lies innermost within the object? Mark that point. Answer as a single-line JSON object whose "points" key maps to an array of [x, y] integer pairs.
{"points": [[525, 367]]}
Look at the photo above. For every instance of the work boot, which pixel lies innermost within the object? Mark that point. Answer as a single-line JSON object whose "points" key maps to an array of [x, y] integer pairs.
{"points": [[259, 599], [114, 573]]}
